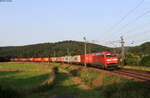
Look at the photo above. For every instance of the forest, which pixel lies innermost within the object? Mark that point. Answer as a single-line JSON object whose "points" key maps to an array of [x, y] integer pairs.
{"points": [[50, 49]]}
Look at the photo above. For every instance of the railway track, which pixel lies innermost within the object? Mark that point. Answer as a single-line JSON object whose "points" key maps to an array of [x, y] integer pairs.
{"points": [[134, 74], [138, 75]]}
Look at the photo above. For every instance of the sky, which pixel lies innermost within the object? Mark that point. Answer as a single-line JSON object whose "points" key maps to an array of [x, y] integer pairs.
{"points": [[24, 22]]}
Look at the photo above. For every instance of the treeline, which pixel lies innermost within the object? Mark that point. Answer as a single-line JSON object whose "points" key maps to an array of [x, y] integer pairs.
{"points": [[50, 49]]}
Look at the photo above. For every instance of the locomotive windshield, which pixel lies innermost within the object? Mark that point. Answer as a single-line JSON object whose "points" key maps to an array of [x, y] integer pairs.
{"points": [[111, 55]]}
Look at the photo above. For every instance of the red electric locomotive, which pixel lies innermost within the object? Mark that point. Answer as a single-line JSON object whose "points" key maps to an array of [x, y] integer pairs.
{"points": [[100, 59], [106, 59]]}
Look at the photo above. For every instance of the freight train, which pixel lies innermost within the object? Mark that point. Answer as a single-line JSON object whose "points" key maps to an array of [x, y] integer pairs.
{"points": [[101, 59]]}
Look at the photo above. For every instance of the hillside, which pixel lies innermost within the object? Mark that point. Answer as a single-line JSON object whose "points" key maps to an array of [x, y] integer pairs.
{"points": [[60, 49], [141, 49], [50, 49]]}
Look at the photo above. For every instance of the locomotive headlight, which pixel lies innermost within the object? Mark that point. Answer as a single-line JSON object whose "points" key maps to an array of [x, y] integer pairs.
{"points": [[109, 60], [114, 59]]}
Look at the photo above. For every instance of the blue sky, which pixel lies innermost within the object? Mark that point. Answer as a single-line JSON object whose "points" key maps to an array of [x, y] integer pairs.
{"points": [[25, 22]]}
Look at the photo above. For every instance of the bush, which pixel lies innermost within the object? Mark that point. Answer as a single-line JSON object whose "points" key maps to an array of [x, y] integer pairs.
{"points": [[56, 70], [132, 59], [88, 76], [145, 61], [75, 72]]}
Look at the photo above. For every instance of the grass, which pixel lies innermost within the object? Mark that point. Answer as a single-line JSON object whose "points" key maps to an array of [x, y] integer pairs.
{"points": [[72, 80], [99, 85], [22, 80], [88, 76], [25, 65], [137, 67]]}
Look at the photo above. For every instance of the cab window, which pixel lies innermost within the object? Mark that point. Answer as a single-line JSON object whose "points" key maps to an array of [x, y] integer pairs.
{"points": [[111, 55]]}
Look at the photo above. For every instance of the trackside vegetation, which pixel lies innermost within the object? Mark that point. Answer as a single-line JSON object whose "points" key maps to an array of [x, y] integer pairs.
{"points": [[66, 80]]}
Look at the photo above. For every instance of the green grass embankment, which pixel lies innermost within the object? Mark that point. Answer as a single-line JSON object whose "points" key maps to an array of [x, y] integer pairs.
{"points": [[81, 83], [75, 81]]}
